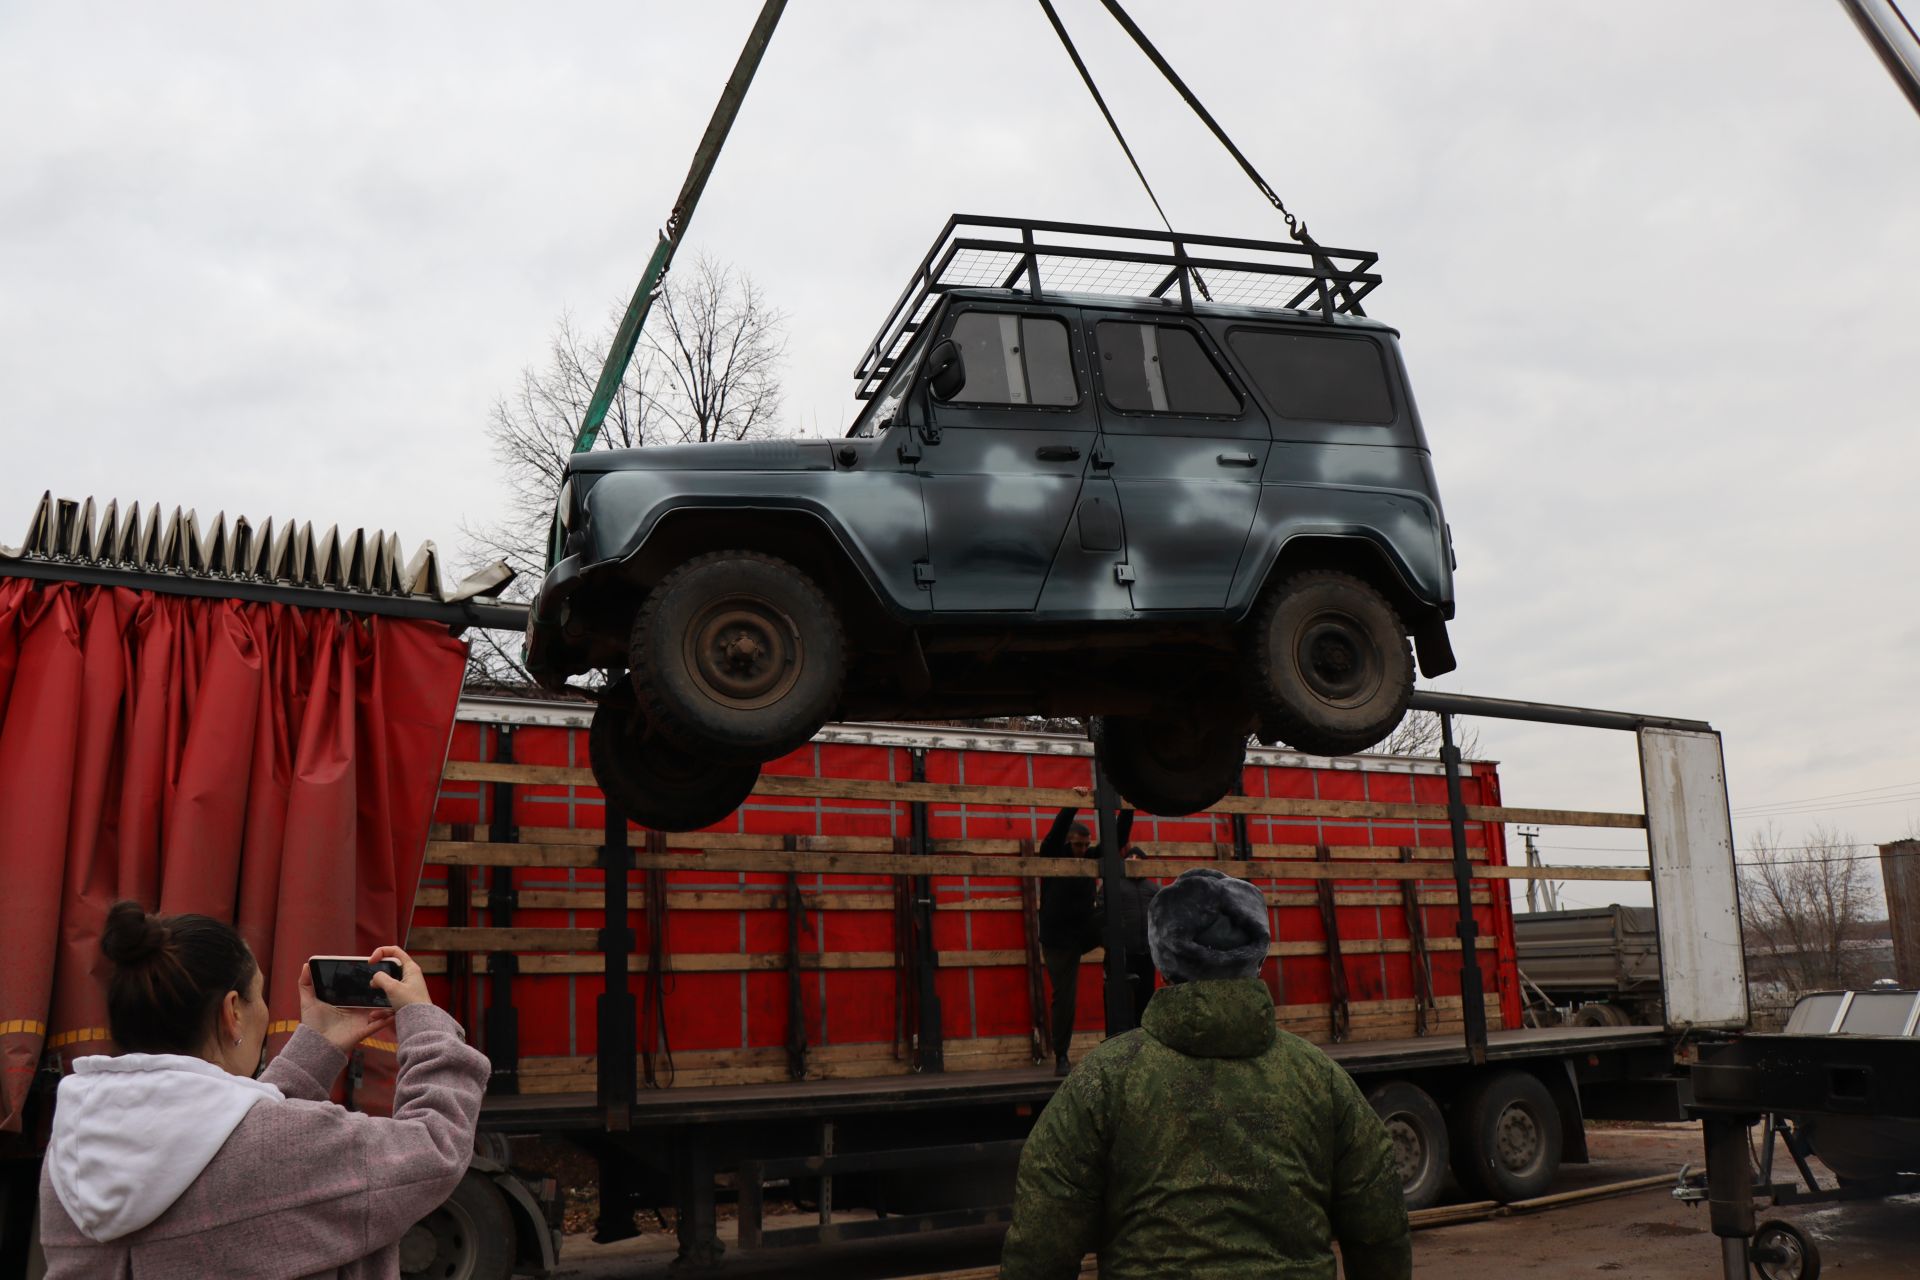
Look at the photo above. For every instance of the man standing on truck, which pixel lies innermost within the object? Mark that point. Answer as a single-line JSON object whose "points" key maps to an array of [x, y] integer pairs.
{"points": [[1208, 1143], [1069, 925]]}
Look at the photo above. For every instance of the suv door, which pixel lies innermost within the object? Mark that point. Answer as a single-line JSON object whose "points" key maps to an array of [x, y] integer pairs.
{"points": [[1185, 447], [1001, 471]]}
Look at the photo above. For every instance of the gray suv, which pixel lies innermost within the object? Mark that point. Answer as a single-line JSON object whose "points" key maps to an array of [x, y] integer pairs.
{"points": [[1174, 484]]}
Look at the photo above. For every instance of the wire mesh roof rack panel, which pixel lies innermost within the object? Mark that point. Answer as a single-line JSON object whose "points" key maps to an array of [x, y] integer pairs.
{"points": [[1048, 258]]}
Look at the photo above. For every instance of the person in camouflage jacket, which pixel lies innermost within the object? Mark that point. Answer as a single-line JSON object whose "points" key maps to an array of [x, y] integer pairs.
{"points": [[1208, 1143]]}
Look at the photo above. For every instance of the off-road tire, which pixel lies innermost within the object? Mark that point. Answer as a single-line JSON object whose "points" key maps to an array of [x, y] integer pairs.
{"points": [[738, 656], [1506, 1137], [657, 782], [1171, 766], [1419, 1134], [1332, 667]]}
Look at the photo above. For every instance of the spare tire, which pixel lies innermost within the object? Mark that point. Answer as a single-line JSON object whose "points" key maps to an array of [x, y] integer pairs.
{"points": [[658, 783], [1332, 667], [738, 655], [1170, 765]]}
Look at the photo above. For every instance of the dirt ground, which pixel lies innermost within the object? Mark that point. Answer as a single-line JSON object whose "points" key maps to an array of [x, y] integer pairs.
{"points": [[1647, 1235]]}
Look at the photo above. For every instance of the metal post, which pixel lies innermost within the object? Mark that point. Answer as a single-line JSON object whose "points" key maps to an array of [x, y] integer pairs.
{"points": [[614, 1014], [1729, 1186], [1113, 869], [932, 1055], [1900, 869], [1473, 1004], [503, 1020]]}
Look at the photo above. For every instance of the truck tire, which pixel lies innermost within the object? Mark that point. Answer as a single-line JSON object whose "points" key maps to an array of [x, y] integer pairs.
{"points": [[658, 783], [1172, 766], [1331, 664], [1506, 1137], [738, 655], [470, 1237], [1419, 1134], [1599, 1013]]}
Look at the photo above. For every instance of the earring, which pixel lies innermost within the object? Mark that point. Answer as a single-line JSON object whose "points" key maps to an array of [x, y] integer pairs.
{"points": [[236, 1042]]}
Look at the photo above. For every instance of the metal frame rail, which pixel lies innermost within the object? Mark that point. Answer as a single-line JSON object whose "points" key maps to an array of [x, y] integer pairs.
{"points": [[1281, 275]]}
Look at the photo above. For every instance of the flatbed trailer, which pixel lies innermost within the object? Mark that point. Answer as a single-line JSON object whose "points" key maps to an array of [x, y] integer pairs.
{"points": [[919, 1129]]}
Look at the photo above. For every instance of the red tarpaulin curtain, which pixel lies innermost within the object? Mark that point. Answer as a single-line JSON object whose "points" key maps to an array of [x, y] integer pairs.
{"points": [[271, 766]]}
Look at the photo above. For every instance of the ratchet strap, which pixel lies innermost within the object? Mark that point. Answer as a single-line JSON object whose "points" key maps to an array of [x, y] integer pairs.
{"points": [[1086, 78]]}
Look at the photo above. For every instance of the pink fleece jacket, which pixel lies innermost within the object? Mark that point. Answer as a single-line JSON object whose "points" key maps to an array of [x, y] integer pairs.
{"points": [[301, 1187]]}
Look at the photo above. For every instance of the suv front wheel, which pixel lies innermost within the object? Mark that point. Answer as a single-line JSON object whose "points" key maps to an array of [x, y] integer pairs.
{"points": [[1332, 667], [738, 655]]}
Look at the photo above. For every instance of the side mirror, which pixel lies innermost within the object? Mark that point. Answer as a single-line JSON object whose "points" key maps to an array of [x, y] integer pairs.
{"points": [[946, 370]]}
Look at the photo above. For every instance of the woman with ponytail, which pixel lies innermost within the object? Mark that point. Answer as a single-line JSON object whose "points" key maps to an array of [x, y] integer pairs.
{"points": [[181, 1158]]}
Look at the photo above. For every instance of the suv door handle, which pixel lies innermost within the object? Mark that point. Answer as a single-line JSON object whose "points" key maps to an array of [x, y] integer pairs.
{"points": [[1057, 452], [1237, 459]]}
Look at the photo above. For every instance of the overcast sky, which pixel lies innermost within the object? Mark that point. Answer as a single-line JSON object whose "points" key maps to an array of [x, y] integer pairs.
{"points": [[1654, 266]]}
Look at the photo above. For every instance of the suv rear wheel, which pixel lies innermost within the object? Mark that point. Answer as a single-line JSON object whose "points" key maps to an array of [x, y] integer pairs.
{"points": [[658, 783], [1170, 765], [738, 655], [1331, 662]]}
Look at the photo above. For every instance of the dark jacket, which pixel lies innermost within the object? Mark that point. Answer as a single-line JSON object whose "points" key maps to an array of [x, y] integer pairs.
{"points": [[1206, 1145], [1129, 901], [1067, 921]]}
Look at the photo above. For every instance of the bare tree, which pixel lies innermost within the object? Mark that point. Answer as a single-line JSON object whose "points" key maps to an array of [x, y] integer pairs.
{"points": [[712, 373], [1804, 909], [717, 347], [1418, 734]]}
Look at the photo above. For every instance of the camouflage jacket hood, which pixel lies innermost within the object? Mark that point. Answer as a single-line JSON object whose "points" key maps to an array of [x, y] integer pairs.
{"points": [[1208, 1144]]}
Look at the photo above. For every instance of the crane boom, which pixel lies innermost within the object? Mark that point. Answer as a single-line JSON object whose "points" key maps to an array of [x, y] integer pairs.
{"points": [[1892, 37], [627, 337]]}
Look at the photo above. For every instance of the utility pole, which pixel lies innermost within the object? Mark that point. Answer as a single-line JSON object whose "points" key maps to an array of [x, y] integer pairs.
{"points": [[1533, 861]]}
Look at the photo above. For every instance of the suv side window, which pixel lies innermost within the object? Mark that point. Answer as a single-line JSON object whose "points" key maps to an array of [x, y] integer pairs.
{"points": [[1160, 368], [1326, 379], [1014, 359]]}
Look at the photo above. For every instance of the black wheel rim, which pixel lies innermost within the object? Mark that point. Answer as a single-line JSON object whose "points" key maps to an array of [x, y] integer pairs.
{"points": [[744, 651], [1337, 659]]}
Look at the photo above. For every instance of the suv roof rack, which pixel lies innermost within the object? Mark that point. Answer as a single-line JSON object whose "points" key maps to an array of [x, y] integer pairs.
{"points": [[1007, 253]]}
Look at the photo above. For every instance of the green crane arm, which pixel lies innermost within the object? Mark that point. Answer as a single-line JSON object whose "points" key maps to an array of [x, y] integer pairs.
{"points": [[627, 337]]}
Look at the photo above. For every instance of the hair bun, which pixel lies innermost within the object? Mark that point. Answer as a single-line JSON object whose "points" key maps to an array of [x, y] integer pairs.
{"points": [[132, 937]]}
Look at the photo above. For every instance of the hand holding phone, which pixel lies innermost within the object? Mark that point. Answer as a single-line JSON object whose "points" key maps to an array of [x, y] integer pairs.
{"points": [[346, 982]]}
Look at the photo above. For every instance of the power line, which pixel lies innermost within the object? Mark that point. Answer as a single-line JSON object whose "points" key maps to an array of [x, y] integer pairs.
{"points": [[1833, 795]]}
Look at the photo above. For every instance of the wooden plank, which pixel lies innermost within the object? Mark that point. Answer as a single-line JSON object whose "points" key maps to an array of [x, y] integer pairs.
{"points": [[1058, 797], [436, 938], [755, 899], [483, 854], [727, 840]]}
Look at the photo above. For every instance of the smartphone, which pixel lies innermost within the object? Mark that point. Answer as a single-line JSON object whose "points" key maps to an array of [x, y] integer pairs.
{"points": [[347, 981]]}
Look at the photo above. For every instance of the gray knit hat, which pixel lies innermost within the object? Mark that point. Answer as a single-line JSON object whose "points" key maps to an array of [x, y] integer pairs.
{"points": [[1207, 925]]}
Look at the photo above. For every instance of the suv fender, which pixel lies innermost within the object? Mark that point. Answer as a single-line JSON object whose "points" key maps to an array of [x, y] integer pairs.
{"points": [[1366, 555]]}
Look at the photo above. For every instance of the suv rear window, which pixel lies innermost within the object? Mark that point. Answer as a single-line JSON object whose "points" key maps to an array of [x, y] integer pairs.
{"points": [[1327, 379], [1014, 359], [1160, 368]]}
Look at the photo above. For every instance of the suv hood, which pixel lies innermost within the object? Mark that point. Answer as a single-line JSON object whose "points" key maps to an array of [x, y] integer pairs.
{"points": [[729, 455]]}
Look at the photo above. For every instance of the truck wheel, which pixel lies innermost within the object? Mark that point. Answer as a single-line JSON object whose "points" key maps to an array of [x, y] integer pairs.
{"points": [[1332, 666], [1506, 1137], [657, 783], [470, 1237], [738, 655], [1172, 766], [1599, 1013], [1419, 1136]]}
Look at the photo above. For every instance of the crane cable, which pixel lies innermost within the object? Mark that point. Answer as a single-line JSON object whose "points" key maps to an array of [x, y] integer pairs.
{"points": [[1295, 227]]}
